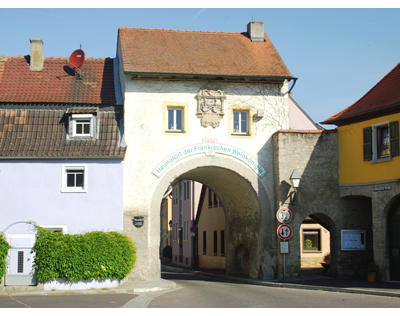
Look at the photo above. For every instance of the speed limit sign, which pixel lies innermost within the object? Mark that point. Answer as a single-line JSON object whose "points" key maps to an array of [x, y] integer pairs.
{"points": [[284, 215], [284, 232]]}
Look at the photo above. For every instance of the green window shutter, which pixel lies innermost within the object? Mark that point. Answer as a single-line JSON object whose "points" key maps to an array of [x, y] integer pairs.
{"points": [[368, 143], [394, 138]]}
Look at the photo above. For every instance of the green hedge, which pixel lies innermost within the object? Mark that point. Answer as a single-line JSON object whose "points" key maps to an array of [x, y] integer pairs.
{"points": [[90, 256], [4, 246]]}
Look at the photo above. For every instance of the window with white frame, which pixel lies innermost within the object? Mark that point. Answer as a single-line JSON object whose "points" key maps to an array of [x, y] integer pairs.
{"points": [[381, 141], [82, 125], [175, 119], [74, 178], [241, 122]]}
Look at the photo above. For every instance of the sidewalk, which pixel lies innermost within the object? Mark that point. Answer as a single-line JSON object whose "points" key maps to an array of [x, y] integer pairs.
{"points": [[127, 287], [308, 282]]}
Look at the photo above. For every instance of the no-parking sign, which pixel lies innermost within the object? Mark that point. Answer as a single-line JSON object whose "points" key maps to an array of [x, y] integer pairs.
{"points": [[284, 232]]}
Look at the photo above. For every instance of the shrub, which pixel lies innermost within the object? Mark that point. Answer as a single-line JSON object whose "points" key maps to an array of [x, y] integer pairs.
{"points": [[4, 246], [90, 256]]}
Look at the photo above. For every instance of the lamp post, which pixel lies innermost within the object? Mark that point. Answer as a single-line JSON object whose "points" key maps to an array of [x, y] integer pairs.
{"points": [[295, 180]]}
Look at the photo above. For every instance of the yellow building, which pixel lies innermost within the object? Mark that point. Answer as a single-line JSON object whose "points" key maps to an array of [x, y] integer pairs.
{"points": [[369, 166], [368, 150], [210, 223]]}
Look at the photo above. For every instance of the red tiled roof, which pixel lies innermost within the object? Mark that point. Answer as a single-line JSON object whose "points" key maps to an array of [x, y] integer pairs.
{"points": [[384, 96], [56, 83], [41, 134], [201, 53]]}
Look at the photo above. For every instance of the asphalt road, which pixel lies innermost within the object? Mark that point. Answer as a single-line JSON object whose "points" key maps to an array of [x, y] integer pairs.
{"points": [[198, 291]]}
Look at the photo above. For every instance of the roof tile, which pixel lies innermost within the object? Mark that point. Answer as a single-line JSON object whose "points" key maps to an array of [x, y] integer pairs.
{"points": [[383, 96], [43, 136], [194, 52], [56, 83]]}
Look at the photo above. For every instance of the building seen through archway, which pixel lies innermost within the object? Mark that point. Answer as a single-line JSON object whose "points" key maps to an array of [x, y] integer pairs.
{"points": [[193, 233]]}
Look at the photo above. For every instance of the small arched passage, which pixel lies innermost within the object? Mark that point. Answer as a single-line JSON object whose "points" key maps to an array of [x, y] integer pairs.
{"points": [[316, 241], [393, 225], [238, 188]]}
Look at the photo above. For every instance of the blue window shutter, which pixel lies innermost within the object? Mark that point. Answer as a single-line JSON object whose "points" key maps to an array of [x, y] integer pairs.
{"points": [[394, 138], [367, 143]]}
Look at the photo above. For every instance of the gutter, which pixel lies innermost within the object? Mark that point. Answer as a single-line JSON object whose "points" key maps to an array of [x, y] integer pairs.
{"points": [[144, 75]]}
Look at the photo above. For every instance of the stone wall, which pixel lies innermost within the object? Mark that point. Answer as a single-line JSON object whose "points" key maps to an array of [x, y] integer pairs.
{"points": [[314, 155]]}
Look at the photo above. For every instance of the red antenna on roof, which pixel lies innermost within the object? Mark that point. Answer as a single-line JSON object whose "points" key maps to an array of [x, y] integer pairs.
{"points": [[76, 60]]}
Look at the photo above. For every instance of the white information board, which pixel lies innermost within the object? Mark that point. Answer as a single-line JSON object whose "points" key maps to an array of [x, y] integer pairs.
{"points": [[353, 239]]}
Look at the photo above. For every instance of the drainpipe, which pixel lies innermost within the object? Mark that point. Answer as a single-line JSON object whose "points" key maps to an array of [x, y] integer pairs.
{"points": [[294, 83]]}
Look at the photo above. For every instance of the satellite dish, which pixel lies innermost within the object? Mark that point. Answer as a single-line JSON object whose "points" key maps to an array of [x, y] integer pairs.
{"points": [[77, 58]]}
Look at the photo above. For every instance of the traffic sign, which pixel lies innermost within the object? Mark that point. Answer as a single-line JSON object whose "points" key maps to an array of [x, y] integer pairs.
{"points": [[284, 215], [284, 247], [284, 232]]}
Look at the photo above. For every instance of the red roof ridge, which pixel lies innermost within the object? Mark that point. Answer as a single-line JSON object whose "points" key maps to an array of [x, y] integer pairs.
{"points": [[181, 31], [52, 58], [337, 115]]}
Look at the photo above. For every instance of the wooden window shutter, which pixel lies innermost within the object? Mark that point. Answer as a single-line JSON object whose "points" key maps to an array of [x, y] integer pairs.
{"points": [[394, 138], [368, 143]]}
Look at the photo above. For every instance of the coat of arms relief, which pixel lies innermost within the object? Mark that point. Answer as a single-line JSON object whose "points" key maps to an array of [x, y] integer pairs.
{"points": [[210, 107]]}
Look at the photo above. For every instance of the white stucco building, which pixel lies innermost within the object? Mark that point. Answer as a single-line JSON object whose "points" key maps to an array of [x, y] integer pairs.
{"points": [[61, 152], [203, 106]]}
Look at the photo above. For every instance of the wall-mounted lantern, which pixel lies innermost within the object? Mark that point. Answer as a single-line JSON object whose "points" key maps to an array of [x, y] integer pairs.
{"points": [[138, 221], [295, 179]]}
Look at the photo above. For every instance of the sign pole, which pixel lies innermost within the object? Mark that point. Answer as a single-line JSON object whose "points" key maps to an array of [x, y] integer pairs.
{"points": [[285, 232]]}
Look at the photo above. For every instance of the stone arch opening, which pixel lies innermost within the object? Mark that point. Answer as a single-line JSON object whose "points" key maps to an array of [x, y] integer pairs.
{"points": [[318, 245], [238, 188], [393, 224]]}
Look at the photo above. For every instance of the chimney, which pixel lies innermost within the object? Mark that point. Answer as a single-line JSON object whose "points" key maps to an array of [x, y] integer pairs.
{"points": [[37, 60], [255, 30]]}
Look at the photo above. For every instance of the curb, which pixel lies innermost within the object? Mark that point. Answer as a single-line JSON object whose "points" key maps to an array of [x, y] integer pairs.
{"points": [[302, 286]]}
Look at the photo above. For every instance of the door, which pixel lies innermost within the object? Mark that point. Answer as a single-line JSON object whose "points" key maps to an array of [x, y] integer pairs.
{"points": [[394, 242], [20, 260]]}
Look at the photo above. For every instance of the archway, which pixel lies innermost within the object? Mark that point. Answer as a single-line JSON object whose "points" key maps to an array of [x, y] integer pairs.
{"points": [[393, 224], [317, 245], [238, 189]]}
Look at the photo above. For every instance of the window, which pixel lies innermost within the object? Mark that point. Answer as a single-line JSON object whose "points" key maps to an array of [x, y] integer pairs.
{"points": [[204, 243], [186, 190], [312, 240], [175, 119], [20, 264], [241, 122], [82, 125], [210, 202], [381, 141], [222, 240], [215, 200], [215, 243], [74, 178], [56, 228]]}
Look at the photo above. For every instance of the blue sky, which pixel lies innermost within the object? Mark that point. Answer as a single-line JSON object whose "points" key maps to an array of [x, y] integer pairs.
{"points": [[337, 54]]}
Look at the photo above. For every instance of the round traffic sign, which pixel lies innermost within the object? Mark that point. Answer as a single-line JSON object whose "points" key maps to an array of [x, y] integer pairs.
{"points": [[284, 231], [284, 215]]}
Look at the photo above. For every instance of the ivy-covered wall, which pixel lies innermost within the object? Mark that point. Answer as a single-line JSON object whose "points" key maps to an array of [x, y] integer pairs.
{"points": [[4, 246], [90, 256]]}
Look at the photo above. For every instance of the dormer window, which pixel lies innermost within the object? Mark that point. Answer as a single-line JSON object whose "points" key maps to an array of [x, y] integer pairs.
{"points": [[82, 125]]}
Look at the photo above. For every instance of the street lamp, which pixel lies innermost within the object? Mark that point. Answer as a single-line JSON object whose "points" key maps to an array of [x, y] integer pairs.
{"points": [[295, 179]]}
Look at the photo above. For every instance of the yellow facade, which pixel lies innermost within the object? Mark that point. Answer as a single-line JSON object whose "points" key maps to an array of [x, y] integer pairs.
{"points": [[352, 167], [212, 219]]}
